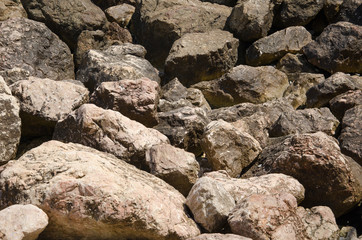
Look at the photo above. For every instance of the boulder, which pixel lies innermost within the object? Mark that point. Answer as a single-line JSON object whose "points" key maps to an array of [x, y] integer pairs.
{"points": [[121, 14], [340, 104], [295, 63], [115, 64], [227, 148], [337, 49], [88, 194], [43, 102], [108, 131], [351, 137], [197, 57], [306, 157], [173, 165], [349, 11], [251, 20], [22, 222], [135, 99], [67, 18], [218, 236], [10, 123], [32, 47], [11, 9], [271, 48]]}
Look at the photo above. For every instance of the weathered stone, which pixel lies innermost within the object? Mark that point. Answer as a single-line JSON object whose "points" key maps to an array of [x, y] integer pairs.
{"points": [[121, 14], [218, 236], [108, 131], [22, 222], [351, 137], [251, 20], [184, 127], [337, 49], [174, 165], [197, 57], [295, 63], [276, 45], [307, 157], [305, 121], [10, 123], [67, 18], [43, 102], [135, 99], [31, 46], [350, 11], [331, 8], [114, 64], [227, 148], [340, 104], [88, 194], [11, 9]]}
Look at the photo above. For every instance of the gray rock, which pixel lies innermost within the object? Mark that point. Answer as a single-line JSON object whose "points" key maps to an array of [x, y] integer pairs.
{"points": [[276, 45], [15, 74], [197, 57], [218, 236], [340, 104], [295, 63], [121, 14], [11, 9]]}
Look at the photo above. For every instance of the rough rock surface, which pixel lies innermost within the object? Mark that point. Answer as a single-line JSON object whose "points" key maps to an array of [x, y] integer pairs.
{"points": [[43, 102], [349, 11], [295, 63], [227, 148], [11, 9], [318, 155], [199, 57], [135, 99], [10, 123], [340, 104], [114, 64], [251, 20], [32, 47], [22, 222], [121, 14], [108, 131], [276, 45], [337, 49], [88, 194], [174, 165], [218, 236], [351, 136]]}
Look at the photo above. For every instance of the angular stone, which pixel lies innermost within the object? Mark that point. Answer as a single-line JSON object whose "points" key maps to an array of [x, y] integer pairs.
{"points": [[337, 49], [88, 194], [32, 47], [197, 57], [340, 104], [121, 14], [43, 102], [271, 48], [173, 165], [227, 148], [11, 9], [218, 236], [108, 131], [350, 11], [22, 222], [295, 63], [114, 64], [251, 20]]}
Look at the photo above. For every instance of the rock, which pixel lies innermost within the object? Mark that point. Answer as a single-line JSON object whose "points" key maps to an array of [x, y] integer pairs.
{"points": [[184, 127], [350, 11], [337, 49], [331, 9], [199, 57], [305, 121], [10, 123], [11, 9], [67, 18], [276, 45], [15, 74], [292, 13], [88, 194], [227, 148], [218, 236], [295, 63], [340, 104], [251, 20], [173, 165], [32, 47], [319, 95], [108, 131], [306, 157], [121, 14], [214, 195], [43, 102], [115, 64], [348, 233], [19, 222], [104, 4], [351, 137], [135, 99], [245, 84]]}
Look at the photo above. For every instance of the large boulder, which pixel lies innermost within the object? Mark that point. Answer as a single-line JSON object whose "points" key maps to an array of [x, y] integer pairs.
{"points": [[340, 104], [197, 57], [88, 194], [11, 9], [337, 49], [43, 102], [276, 45], [33, 48], [22, 222], [108, 131]]}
